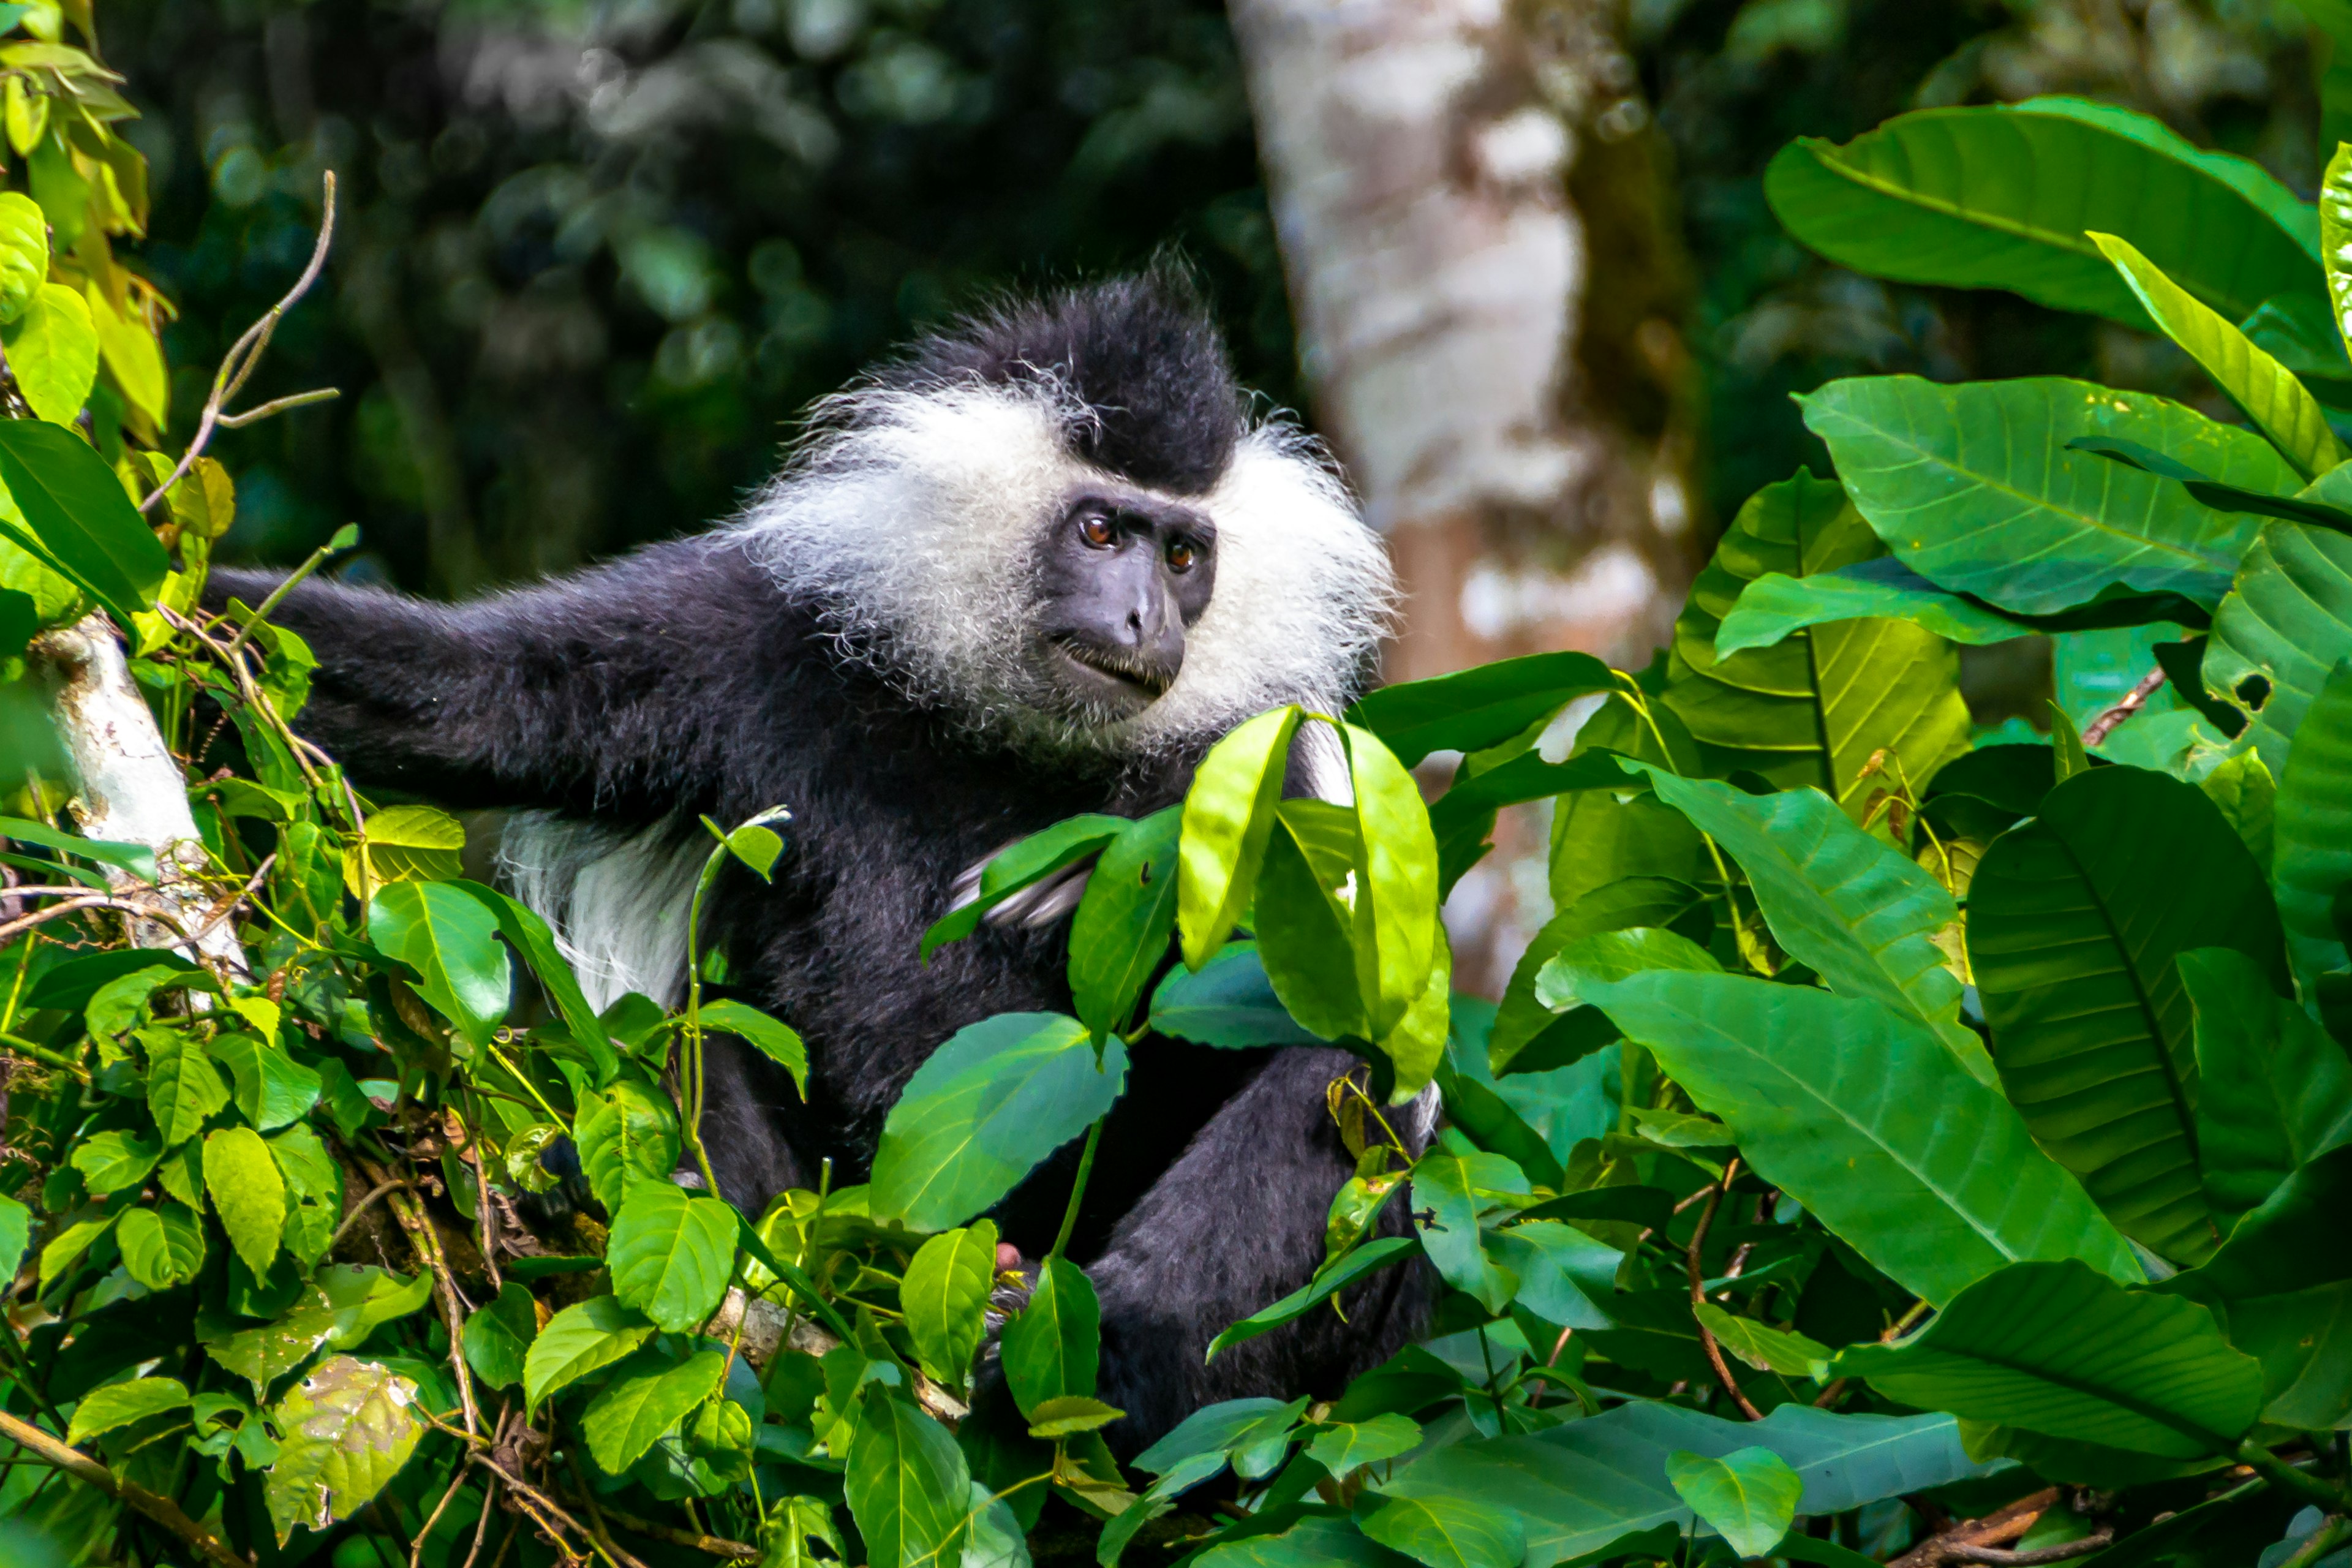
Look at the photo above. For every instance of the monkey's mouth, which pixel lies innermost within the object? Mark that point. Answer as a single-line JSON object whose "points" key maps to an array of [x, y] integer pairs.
{"points": [[1128, 674]]}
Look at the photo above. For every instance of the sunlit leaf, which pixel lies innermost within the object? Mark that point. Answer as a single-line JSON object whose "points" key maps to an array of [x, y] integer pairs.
{"points": [[75, 518], [53, 353], [646, 1399], [248, 1193], [451, 941], [1228, 813], [945, 1297], [1748, 1494], [344, 1432], [671, 1253], [579, 1340]]}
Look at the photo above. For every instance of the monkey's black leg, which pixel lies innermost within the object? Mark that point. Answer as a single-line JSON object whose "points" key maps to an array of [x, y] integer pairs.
{"points": [[1234, 1225]]}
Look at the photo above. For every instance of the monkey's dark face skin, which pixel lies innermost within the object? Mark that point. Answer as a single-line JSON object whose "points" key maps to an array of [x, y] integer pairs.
{"points": [[1120, 578]]}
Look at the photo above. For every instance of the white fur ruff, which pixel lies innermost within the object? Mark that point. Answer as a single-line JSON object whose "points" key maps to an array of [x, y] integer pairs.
{"points": [[618, 901]]}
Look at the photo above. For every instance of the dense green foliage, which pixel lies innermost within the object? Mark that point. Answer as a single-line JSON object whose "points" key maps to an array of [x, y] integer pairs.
{"points": [[1889, 1126]]}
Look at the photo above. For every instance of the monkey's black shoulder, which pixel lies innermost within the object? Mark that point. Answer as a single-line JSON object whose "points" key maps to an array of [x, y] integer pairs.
{"points": [[1141, 352]]}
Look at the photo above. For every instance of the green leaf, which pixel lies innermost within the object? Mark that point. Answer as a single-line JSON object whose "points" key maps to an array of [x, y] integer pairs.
{"points": [[945, 1298], [53, 353], [1120, 933], [1783, 1352], [1228, 813], [1523, 1024], [1581, 1487], [1342, 1446], [1749, 1495], [1031, 860], [1395, 891], [906, 1483], [1070, 1415], [779, 1043], [273, 1089], [1329, 1280], [1226, 1428], [109, 1161], [76, 518], [499, 1336], [1608, 956], [451, 941], [645, 1401], [2073, 928], [996, 1099], [626, 1129], [2273, 1090], [2336, 237], [579, 1340], [77, 1233], [2058, 1348], [248, 1193], [2288, 619], [1776, 605], [1443, 1532], [1053, 1346], [2000, 197], [24, 253], [15, 1235], [1977, 487], [341, 1307], [409, 844], [2311, 857], [1863, 915], [1475, 708], [670, 1254], [1448, 1191], [1817, 708], [1871, 1123], [1228, 1002], [120, 1404], [533, 938], [1565, 1276], [345, 1430], [758, 846], [1304, 928], [2273, 398], [138, 859]]}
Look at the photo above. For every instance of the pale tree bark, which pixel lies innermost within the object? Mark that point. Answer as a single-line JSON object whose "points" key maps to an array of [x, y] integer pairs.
{"points": [[1422, 158]]}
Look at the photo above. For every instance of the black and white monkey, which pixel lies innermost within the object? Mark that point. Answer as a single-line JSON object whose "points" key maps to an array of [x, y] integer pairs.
{"points": [[1033, 569]]}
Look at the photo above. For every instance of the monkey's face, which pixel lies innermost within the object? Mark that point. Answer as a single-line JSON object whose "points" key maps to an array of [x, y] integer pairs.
{"points": [[1123, 574]]}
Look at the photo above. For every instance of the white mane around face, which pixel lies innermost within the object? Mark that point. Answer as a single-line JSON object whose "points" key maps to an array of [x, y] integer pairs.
{"points": [[914, 521]]}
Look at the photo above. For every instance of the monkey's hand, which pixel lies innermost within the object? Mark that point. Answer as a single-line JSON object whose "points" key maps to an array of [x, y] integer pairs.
{"points": [[1041, 903], [1015, 1282]]}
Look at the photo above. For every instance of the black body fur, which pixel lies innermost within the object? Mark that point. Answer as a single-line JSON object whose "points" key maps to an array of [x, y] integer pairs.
{"points": [[681, 680]]}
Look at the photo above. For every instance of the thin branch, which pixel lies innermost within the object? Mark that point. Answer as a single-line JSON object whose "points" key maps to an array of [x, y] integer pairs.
{"points": [[260, 874], [427, 1244], [531, 1496], [2102, 726], [2097, 1540], [387, 1184], [230, 379], [2320, 1542], [1698, 1293], [278, 405], [2293, 1478], [2000, 1526], [82, 1467], [715, 1546]]}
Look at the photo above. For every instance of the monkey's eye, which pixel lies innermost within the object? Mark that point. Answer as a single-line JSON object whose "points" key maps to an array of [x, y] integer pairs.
{"points": [[1096, 530], [1181, 556]]}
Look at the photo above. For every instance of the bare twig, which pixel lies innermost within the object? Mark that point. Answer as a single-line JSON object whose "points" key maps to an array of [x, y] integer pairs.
{"points": [[1698, 1293], [2097, 1540], [278, 405], [230, 907], [1996, 1528], [422, 1236], [246, 353], [387, 1184], [715, 1546], [541, 1504], [2100, 727], [82, 1467]]}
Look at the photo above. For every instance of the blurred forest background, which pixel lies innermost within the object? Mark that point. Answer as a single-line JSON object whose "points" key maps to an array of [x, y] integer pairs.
{"points": [[1511, 257]]}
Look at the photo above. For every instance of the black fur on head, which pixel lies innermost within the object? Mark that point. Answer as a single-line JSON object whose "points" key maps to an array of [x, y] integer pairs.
{"points": [[1142, 353]]}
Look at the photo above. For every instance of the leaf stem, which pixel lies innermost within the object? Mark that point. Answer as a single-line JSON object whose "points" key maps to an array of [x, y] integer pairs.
{"points": [[2323, 1541], [690, 1063], [82, 1467], [1079, 1187], [277, 596], [1698, 1291], [2293, 1478]]}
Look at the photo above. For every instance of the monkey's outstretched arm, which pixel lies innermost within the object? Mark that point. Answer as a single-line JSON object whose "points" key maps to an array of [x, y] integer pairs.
{"points": [[577, 694]]}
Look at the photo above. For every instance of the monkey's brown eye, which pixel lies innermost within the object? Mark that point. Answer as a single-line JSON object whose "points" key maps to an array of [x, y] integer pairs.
{"points": [[1181, 556], [1096, 531]]}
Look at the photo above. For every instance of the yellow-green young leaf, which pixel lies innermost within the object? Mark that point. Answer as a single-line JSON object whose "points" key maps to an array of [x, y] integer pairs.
{"points": [[162, 1247], [135, 360], [183, 1086], [409, 844], [629, 1129], [344, 1431], [1228, 813], [24, 253], [671, 1253], [248, 1193], [109, 1161], [1766, 1349], [273, 1089], [1417, 1044], [2335, 236], [53, 352], [1396, 882], [945, 1298], [120, 1404], [578, 1341], [646, 1400], [1749, 1495], [25, 113], [80, 1234], [2265, 389]]}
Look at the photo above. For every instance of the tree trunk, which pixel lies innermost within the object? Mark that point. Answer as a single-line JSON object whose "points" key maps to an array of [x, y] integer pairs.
{"points": [[1459, 186]]}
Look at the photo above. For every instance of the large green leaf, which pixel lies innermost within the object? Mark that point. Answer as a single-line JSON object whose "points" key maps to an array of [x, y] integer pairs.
{"points": [[2288, 619], [2000, 197], [532, 937], [627, 1128], [1053, 1346], [671, 1252], [578, 1341], [906, 1483], [1776, 605], [648, 1398], [1871, 1122], [2061, 1349], [24, 253], [1976, 486], [1228, 1002], [75, 517], [53, 353], [1864, 916], [1449, 1190], [1018, 866], [1120, 933], [945, 1298], [1524, 1024], [1748, 1494], [2273, 399], [997, 1098], [2311, 852], [345, 1430], [248, 1193], [2273, 1089], [1584, 1485], [1818, 707], [1228, 813], [1473, 709], [2074, 921], [1442, 1531], [451, 940]]}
